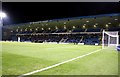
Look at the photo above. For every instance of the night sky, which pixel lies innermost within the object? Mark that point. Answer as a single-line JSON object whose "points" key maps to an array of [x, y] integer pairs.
{"points": [[28, 11]]}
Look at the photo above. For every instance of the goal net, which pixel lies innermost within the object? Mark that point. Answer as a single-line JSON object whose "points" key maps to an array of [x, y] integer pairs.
{"points": [[110, 39]]}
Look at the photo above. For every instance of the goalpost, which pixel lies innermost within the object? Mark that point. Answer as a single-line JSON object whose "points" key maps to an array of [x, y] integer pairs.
{"points": [[110, 39]]}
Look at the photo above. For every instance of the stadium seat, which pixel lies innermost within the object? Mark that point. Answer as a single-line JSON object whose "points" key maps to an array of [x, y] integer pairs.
{"points": [[118, 48]]}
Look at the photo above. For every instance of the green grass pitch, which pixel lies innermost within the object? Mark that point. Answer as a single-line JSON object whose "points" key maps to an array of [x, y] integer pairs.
{"points": [[20, 58]]}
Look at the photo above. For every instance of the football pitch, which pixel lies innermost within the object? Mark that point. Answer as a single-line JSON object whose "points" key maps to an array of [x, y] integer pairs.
{"points": [[20, 58]]}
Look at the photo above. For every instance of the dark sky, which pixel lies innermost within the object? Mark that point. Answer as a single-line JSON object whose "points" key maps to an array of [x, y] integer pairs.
{"points": [[37, 11]]}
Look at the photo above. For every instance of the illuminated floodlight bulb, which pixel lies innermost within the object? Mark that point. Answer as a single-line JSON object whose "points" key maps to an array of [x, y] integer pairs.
{"points": [[3, 15]]}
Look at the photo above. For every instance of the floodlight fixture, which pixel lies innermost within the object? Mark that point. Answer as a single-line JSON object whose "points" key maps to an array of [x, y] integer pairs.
{"points": [[3, 15]]}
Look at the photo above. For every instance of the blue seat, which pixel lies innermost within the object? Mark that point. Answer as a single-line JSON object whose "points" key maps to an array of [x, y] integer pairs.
{"points": [[118, 48], [78, 30], [93, 30]]}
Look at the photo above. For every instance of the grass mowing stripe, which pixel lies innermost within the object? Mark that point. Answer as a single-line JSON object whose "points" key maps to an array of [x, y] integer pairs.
{"points": [[55, 65]]}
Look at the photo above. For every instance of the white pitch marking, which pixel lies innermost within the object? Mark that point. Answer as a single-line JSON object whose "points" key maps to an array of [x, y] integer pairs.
{"points": [[55, 65]]}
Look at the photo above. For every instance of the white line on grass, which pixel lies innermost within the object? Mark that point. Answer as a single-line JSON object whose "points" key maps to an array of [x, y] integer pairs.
{"points": [[58, 64]]}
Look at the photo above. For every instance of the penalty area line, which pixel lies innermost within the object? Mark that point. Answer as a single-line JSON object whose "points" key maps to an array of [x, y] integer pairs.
{"points": [[58, 64]]}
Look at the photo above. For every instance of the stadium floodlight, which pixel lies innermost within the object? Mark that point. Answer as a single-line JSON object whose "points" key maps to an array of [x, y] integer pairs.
{"points": [[110, 39], [3, 15]]}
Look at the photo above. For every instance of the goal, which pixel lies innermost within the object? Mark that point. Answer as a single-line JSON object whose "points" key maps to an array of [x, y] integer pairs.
{"points": [[110, 39]]}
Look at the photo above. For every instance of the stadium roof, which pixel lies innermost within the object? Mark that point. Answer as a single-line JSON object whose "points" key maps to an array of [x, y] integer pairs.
{"points": [[71, 18]]}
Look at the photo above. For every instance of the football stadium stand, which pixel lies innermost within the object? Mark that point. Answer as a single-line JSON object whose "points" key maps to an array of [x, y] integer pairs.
{"points": [[84, 29]]}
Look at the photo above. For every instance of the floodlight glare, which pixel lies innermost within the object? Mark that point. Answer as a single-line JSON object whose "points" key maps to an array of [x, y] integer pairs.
{"points": [[2, 15]]}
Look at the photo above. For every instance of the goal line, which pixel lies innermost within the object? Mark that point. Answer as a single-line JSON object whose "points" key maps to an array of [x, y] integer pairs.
{"points": [[58, 64]]}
